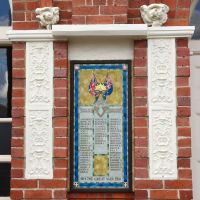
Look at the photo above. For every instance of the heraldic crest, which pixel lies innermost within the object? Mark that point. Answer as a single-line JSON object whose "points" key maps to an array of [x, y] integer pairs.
{"points": [[100, 90]]}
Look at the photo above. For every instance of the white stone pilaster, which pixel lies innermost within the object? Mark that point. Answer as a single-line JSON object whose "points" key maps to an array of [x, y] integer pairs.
{"points": [[39, 105], [162, 108]]}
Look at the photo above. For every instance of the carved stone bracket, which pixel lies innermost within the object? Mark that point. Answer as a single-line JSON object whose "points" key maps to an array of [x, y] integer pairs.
{"points": [[39, 104], [154, 14], [162, 108], [47, 16]]}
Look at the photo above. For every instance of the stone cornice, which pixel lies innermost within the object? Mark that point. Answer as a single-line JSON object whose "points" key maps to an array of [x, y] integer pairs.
{"points": [[170, 32], [135, 31], [30, 35]]}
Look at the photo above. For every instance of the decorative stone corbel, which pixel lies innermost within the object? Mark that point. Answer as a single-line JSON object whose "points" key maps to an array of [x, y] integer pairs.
{"points": [[47, 16], [154, 14]]}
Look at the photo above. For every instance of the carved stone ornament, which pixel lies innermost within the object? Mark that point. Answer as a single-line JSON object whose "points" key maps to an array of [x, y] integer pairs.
{"points": [[162, 72], [47, 16], [163, 144], [154, 14], [39, 104], [39, 81], [39, 148], [162, 108]]}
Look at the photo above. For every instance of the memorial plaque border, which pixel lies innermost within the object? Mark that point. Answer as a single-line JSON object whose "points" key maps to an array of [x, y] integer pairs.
{"points": [[71, 88]]}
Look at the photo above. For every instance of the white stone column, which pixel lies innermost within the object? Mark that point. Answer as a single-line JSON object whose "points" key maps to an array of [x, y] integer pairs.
{"points": [[38, 137], [39, 106], [162, 108], [162, 99]]}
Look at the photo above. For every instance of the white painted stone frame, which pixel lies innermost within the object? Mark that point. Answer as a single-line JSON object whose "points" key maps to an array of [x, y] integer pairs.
{"points": [[39, 106], [132, 31]]}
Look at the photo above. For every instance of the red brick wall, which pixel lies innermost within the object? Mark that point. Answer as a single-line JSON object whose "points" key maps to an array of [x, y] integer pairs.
{"points": [[140, 125], [100, 12], [61, 121], [97, 12], [183, 124], [18, 100], [24, 14]]}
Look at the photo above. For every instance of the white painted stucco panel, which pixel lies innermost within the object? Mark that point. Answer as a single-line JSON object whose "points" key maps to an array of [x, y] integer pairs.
{"points": [[194, 46], [162, 108], [101, 48], [38, 108]]}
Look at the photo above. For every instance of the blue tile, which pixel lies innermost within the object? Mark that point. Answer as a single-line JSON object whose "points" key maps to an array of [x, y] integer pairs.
{"points": [[125, 125]]}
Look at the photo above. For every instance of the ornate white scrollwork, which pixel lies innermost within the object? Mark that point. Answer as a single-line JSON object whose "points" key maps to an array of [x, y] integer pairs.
{"points": [[162, 108], [47, 16], [154, 14], [39, 71], [162, 72], [162, 146], [39, 102], [39, 157]]}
